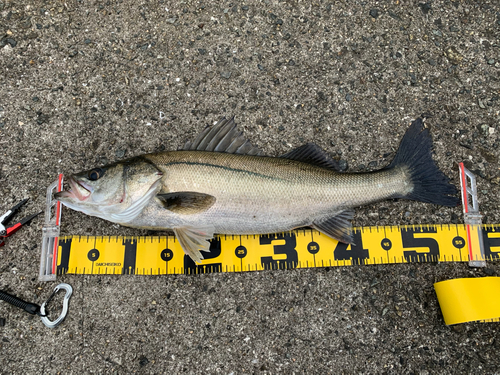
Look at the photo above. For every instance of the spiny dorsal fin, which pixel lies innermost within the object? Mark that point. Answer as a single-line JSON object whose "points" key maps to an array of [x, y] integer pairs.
{"points": [[312, 154], [338, 226], [223, 137], [186, 202]]}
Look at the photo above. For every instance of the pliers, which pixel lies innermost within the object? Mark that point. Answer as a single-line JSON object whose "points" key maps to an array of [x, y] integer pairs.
{"points": [[8, 231]]}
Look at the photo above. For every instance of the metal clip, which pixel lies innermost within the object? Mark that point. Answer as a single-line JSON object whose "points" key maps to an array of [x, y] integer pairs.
{"points": [[472, 218], [67, 296]]}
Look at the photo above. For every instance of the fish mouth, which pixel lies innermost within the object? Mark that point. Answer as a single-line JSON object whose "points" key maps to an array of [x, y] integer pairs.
{"points": [[77, 191]]}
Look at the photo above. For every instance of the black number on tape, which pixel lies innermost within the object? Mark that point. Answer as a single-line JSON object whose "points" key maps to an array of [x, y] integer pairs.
{"points": [[410, 241], [190, 267], [287, 249], [386, 244], [65, 246], [129, 257], [458, 242], [313, 247], [490, 242], [241, 252], [166, 255], [356, 253], [93, 255]]}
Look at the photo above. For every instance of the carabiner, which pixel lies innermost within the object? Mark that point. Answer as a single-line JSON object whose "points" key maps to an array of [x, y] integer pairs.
{"points": [[67, 296]]}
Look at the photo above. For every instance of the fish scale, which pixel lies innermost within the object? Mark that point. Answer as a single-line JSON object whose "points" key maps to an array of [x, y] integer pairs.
{"points": [[293, 193]]}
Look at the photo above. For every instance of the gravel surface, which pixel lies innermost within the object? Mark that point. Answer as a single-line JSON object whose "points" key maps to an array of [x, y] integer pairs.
{"points": [[85, 83]]}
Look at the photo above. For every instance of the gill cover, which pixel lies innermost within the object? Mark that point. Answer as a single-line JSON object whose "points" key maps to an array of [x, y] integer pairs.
{"points": [[117, 192]]}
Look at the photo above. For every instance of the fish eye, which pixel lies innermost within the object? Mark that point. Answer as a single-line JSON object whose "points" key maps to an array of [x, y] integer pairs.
{"points": [[95, 174]]}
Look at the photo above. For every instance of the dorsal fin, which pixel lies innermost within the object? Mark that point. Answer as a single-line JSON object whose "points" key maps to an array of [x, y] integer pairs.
{"points": [[312, 154], [223, 137]]}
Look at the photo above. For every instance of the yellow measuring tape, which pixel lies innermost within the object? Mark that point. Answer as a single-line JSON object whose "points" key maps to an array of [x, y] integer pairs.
{"points": [[468, 300], [296, 249], [461, 300]]}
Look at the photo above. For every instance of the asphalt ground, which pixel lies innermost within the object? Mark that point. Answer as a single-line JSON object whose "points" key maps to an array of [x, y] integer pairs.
{"points": [[85, 83]]}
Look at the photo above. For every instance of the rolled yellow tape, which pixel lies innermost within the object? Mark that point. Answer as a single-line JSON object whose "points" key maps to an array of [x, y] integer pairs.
{"points": [[468, 300]]}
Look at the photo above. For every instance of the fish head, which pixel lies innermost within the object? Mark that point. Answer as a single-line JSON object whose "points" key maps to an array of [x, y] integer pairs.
{"points": [[117, 192]]}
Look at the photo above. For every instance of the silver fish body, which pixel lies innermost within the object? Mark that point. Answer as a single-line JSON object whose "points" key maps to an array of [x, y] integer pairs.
{"points": [[220, 183], [258, 194]]}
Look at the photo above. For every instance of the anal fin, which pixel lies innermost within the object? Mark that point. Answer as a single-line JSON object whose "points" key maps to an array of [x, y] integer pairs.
{"points": [[338, 226], [194, 239]]}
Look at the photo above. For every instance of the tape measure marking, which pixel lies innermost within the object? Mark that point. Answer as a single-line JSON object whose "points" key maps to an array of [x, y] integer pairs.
{"points": [[302, 248]]}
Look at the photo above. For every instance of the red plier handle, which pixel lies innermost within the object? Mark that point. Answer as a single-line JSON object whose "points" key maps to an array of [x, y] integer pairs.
{"points": [[9, 231]]}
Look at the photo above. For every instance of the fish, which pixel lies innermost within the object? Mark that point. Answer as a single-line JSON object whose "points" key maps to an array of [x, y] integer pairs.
{"points": [[221, 183]]}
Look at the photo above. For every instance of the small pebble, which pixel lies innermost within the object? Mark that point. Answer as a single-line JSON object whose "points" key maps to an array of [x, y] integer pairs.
{"points": [[425, 7], [374, 13], [343, 165], [453, 55], [10, 41], [120, 153], [143, 361], [489, 271]]}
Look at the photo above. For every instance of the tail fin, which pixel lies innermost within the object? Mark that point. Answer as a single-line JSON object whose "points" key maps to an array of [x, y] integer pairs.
{"points": [[430, 185]]}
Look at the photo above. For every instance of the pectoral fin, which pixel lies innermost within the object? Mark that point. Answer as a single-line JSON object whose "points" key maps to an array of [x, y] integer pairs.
{"points": [[338, 226], [194, 239], [186, 202]]}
